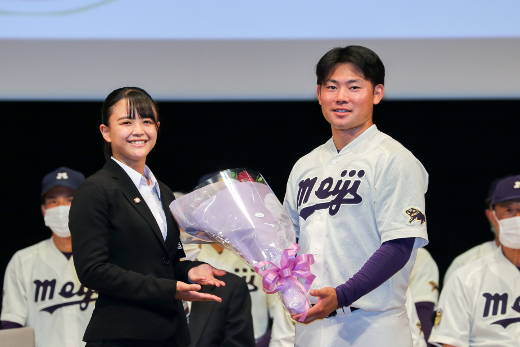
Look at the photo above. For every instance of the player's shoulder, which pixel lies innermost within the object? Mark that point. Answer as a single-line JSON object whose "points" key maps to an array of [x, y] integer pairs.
{"points": [[424, 257], [28, 253], [392, 148], [475, 253], [470, 272], [312, 155], [312, 159]]}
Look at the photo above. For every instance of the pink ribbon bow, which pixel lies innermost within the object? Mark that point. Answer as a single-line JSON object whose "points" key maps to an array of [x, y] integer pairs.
{"points": [[290, 268]]}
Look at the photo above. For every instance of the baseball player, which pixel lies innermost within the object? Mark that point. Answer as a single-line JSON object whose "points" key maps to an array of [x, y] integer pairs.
{"points": [[357, 203], [424, 288], [480, 303], [482, 249], [41, 289], [418, 338]]}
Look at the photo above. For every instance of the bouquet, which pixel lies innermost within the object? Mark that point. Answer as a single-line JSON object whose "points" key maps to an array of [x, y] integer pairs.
{"points": [[238, 210]]}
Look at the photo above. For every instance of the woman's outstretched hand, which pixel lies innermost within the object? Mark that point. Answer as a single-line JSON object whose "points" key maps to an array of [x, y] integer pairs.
{"points": [[201, 275], [205, 274], [189, 292]]}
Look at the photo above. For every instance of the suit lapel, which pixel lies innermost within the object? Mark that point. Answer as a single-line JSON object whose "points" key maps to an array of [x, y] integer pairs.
{"points": [[130, 192], [199, 317], [171, 235]]}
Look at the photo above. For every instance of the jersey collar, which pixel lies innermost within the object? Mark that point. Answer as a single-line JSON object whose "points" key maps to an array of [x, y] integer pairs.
{"points": [[371, 131]]}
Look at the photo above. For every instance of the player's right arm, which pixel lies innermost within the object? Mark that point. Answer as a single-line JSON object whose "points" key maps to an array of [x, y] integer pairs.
{"points": [[15, 302]]}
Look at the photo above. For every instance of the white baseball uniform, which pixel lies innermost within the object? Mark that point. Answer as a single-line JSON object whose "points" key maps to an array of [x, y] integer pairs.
{"points": [[344, 206], [415, 324], [424, 280], [263, 305], [480, 305], [469, 257], [42, 291]]}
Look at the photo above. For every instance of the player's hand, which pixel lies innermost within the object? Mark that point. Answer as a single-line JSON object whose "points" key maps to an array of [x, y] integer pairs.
{"points": [[327, 302], [189, 292], [205, 274]]}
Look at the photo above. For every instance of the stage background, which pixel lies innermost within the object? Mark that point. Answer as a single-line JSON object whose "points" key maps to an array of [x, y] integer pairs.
{"points": [[464, 145], [236, 86]]}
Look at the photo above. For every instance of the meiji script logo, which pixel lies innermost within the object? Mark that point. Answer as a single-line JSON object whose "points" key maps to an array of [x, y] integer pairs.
{"points": [[48, 7]]}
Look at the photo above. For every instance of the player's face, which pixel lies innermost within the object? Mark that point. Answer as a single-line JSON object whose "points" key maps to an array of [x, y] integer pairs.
{"points": [[507, 209], [131, 139], [57, 196], [347, 99]]}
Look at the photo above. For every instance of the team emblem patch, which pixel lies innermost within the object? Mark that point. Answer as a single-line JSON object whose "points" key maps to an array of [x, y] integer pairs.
{"points": [[438, 317], [62, 176], [415, 215], [434, 285], [419, 327]]}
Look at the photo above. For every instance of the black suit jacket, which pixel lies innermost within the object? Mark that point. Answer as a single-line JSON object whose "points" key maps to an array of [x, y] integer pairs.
{"points": [[225, 324], [120, 252]]}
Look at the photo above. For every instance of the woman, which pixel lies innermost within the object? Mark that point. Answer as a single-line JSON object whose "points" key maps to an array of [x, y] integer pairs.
{"points": [[125, 241]]}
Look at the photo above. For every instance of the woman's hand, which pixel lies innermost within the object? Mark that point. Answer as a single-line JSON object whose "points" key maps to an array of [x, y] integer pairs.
{"points": [[189, 292], [205, 274], [327, 302]]}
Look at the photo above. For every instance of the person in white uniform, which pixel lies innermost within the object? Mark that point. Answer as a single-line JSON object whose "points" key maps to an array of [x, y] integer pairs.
{"points": [[418, 338], [484, 248], [263, 306], [41, 288], [357, 203], [424, 288], [480, 303]]}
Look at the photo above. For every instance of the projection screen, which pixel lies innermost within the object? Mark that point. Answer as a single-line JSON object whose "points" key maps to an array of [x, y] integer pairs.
{"points": [[253, 50]]}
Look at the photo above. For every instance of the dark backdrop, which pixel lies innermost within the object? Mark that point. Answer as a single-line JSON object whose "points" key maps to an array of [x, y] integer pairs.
{"points": [[464, 145]]}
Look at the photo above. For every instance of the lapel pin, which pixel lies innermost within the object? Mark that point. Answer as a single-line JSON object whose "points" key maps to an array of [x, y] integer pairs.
{"points": [[137, 200]]}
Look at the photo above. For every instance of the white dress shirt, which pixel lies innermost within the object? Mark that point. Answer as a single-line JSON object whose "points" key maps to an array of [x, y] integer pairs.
{"points": [[150, 193]]}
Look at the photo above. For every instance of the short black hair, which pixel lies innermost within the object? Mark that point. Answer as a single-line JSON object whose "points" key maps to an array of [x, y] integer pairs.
{"points": [[364, 59], [139, 102]]}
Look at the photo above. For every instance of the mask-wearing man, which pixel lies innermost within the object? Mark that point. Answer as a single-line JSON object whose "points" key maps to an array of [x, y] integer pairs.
{"points": [[41, 288], [482, 249], [480, 304]]}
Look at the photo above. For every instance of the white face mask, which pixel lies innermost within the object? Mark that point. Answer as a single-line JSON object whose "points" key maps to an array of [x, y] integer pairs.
{"points": [[57, 218], [510, 232]]}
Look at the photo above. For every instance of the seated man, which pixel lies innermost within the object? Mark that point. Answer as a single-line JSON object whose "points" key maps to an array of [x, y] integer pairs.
{"points": [[480, 303], [41, 288], [482, 249], [214, 324]]}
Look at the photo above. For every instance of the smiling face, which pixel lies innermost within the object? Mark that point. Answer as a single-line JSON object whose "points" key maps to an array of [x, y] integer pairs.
{"points": [[131, 139], [347, 99]]}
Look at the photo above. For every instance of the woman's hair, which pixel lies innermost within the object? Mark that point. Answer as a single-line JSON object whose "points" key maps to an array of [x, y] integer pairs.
{"points": [[365, 61], [139, 102]]}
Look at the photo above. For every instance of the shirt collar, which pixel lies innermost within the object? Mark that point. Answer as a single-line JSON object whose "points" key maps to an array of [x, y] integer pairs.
{"points": [[357, 141], [138, 179]]}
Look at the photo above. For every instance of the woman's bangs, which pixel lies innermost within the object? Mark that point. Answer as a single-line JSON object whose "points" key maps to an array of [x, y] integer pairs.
{"points": [[139, 105]]}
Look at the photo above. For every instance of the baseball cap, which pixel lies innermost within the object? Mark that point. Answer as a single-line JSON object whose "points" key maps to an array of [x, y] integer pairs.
{"points": [[62, 176], [507, 189]]}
